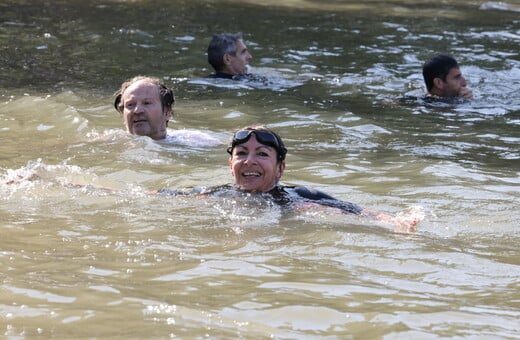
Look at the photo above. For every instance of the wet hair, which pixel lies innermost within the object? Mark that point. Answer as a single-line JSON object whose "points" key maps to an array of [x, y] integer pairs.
{"points": [[437, 67], [219, 45], [276, 143], [166, 93]]}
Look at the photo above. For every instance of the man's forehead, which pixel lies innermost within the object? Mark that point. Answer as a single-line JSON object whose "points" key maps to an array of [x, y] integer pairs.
{"points": [[240, 44], [454, 71], [140, 87]]}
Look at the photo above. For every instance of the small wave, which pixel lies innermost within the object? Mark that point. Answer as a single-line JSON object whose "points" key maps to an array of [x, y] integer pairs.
{"points": [[220, 83], [498, 6], [37, 173], [192, 137], [107, 135], [39, 170], [52, 115], [261, 79]]}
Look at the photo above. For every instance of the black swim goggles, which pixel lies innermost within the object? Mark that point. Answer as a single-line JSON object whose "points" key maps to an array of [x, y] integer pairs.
{"points": [[263, 137]]}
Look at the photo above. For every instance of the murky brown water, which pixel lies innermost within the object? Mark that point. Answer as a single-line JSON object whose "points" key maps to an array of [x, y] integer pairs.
{"points": [[82, 262]]}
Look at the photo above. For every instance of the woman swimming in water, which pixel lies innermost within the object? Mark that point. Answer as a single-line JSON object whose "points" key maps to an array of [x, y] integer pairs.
{"points": [[257, 162]]}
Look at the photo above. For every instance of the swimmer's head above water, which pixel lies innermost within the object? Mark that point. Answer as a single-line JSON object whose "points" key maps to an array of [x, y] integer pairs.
{"points": [[444, 79], [257, 158], [145, 105]]}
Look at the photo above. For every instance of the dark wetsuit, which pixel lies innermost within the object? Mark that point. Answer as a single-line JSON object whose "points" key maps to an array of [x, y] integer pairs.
{"points": [[432, 99], [222, 75], [241, 77], [281, 195]]}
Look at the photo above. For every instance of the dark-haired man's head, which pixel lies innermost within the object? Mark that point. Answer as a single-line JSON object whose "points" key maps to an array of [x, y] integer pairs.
{"points": [[443, 77], [228, 54]]}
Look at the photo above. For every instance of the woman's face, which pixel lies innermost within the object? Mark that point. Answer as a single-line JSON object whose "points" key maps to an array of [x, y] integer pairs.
{"points": [[255, 166]]}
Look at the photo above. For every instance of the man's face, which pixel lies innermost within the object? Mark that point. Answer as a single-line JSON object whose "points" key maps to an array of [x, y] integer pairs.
{"points": [[454, 83], [237, 64], [143, 114]]}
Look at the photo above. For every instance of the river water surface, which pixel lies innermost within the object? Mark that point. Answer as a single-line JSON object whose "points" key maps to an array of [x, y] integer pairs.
{"points": [[344, 92]]}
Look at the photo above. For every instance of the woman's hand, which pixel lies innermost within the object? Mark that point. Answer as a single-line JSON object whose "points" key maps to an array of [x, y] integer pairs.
{"points": [[403, 222]]}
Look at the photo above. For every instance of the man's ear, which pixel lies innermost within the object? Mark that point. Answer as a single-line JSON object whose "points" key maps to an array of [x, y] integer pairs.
{"points": [[438, 83], [227, 59]]}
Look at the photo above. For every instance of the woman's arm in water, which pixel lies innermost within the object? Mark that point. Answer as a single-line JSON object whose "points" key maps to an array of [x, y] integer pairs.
{"points": [[403, 222]]}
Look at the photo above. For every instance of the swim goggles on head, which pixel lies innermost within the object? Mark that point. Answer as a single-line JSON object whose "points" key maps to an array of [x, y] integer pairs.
{"points": [[263, 137]]}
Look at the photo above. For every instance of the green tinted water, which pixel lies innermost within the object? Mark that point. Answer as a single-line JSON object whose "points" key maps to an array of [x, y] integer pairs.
{"points": [[84, 262]]}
